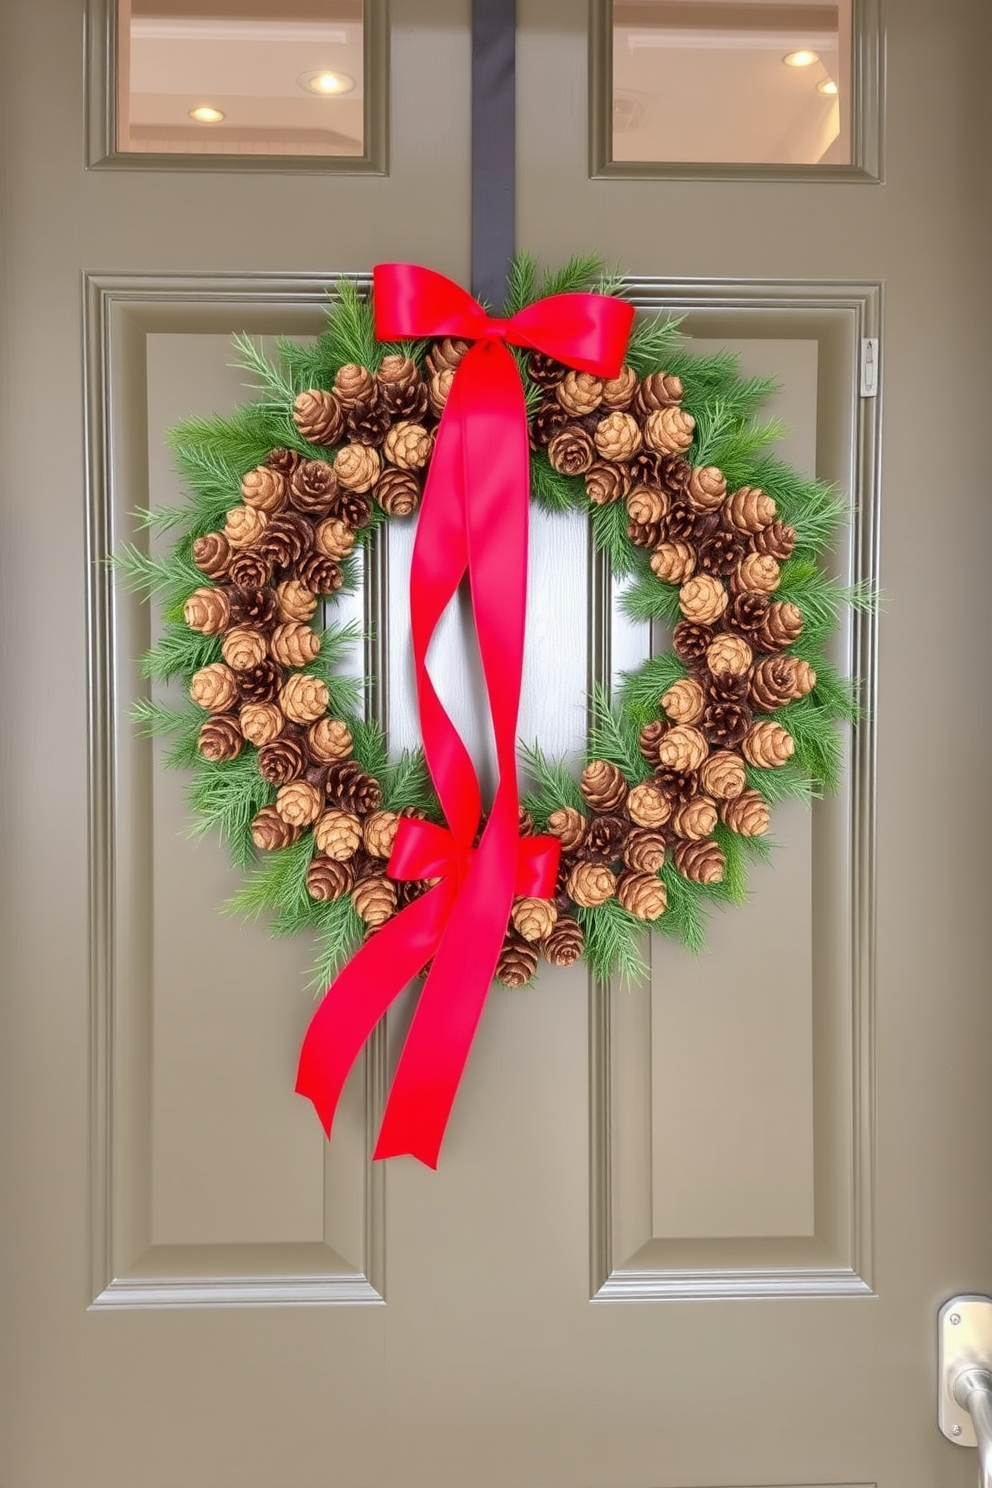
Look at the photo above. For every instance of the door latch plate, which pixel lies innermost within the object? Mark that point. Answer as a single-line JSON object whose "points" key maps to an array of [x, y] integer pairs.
{"points": [[964, 1334]]}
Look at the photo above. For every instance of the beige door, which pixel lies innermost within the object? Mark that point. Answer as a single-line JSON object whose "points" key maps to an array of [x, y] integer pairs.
{"points": [[695, 1234]]}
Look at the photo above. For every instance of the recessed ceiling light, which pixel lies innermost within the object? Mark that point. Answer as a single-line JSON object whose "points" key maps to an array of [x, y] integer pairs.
{"points": [[206, 115], [828, 86], [801, 58], [327, 84]]}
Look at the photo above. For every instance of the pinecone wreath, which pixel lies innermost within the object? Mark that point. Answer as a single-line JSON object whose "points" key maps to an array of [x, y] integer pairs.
{"points": [[682, 767]]}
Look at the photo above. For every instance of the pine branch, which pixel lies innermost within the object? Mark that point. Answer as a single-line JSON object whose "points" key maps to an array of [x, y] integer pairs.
{"points": [[266, 376], [652, 343], [179, 652], [613, 737], [685, 918], [723, 438], [552, 490], [553, 784], [276, 885], [788, 782], [577, 275], [609, 534], [641, 691], [174, 577], [350, 334], [521, 283], [613, 941], [339, 933], [407, 782], [369, 746], [649, 598], [819, 746], [158, 720], [226, 796]]}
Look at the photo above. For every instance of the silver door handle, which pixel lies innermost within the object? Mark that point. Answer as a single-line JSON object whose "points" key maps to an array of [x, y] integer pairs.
{"points": [[964, 1402], [972, 1389]]}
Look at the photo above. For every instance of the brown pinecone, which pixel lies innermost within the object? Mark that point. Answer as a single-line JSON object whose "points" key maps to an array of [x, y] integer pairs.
{"points": [[590, 884], [726, 687], [701, 862], [294, 601], [721, 553], [298, 803], [338, 834], [517, 961], [353, 507], [438, 389], [303, 698], [658, 390], [269, 832], [647, 805], [320, 574], [445, 355], [349, 787], [317, 414], [725, 724], [619, 392], [250, 569], [548, 420], [685, 701], [212, 554], [357, 467], [647, 506], [261, 684], [643, 895], [525, 822], [397, 492], [780, 628], [774, 683], [294, 644], [374, 899], [768, 745], [645, 468], [650, 737], [368, 423], [264, 489], [644, 850], [534, 919], [749, 509], [617, 437], [327, 879], [544, 370], [723, 775], [702, 599], [252, 607], [569, 826], [729, 653], [604, 839], [354, 384], [684, 523], [283, 760], [286, 539], [579, 393], [683, 748], [244, 526], [777, 540], [220, 737], [329, 740], [208, 611], [572, 451], [261, 723], [402, 388], [694, 819], [214, 687], [379, 833], [408, 445], [678, 785], [564, 945], [603, 786], [690, 641], [606, 483], [757, 573], [673, 562], [746, 814], [707, 487], [674, 473], [669, 430], [283, 460], [646, 534], [334, 537], [746, 613], [244, 648]]}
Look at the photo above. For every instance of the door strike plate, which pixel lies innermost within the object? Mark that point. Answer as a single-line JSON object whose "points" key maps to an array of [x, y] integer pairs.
{"points": [[964, 1335]]}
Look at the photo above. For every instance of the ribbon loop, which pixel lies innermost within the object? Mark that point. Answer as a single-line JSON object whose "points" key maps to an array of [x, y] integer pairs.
{"points": [[473, 520]]}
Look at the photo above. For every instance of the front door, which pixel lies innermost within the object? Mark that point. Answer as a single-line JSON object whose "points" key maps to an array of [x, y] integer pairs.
{"points": [[695, 1233]]}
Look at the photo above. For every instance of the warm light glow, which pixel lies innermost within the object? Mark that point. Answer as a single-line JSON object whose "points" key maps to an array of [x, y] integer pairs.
{"points": [[206, 115], [328, 84], [801, 59], [828, 86]]}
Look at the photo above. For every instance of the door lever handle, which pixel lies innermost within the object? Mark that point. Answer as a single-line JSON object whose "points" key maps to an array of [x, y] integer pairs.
{"points": [[964, 1407], [972, 1389]]}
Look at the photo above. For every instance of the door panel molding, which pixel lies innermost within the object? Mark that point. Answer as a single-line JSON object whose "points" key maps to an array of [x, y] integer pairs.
{"points": [[629, 1259], [127, 1269]]}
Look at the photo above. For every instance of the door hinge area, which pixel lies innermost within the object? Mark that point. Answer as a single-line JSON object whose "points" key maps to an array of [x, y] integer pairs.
{"points": [[869, 366]]}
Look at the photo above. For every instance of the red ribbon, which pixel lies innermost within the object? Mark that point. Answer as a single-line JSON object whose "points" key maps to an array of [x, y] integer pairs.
{"points": [[473, 518]]}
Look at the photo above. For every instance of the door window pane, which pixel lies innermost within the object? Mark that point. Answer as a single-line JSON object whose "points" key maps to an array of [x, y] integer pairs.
{"points": [[732, 82], [241, 77]]}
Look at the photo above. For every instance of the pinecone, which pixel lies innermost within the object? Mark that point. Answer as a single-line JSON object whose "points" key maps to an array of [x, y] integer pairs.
{"points": [[684, 522], [374, 899], [220, 737], [302, 698], [293, 601], [746, 613], [673, 562], [334, 537], [244, 526], [211, 554], [579, 393], [644, 850], [643, 895], [695, 818], [298, 802], [646, 534], [683, 748], [517, 961], [286, 539], [354, 384], [564, 945], [777, 680], [603, 786], [746, 814], [604, 839], [725, 724], [729, 653], [726, 687], [338, 834], [320, 574], [590, 884], [446, 354], [283, 460], [723, 775], [572, 451], [777, 540], [261, 723], [264, 489], [619, 392], [329, 740], [525, 822], [353, 507], [721, 553], [357, 467], [669, 430], [397, 492], [758, 574], [647, 505], [549, 419], [208, 611], [606, 483], [649, 739], [707, 487], [534, 919], [368, 423], [647, 805], [250, 569], [544, 370], [678, 785], [327, 879], [255, 607], [768, 745], [261, 684], [269, 832], [690, 641], [685, 701], [702, 599], [283, 760], [317, 415], [658, 390], [438, 389], [701, 862], [379, 833], [243, 648], [294, 644], [214, 687], [312, 488], [402, 388], [349, 787], [408, 446], [749, 509], [617, 437], [569, 826], [781, 627], [674, 473], [646, 468]]}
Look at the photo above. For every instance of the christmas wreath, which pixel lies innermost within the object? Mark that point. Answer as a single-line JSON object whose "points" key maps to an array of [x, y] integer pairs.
{"points": [[715, 537]]}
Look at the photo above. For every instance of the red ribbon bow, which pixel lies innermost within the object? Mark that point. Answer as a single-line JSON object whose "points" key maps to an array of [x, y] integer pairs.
{"points": [[473, 517]]}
